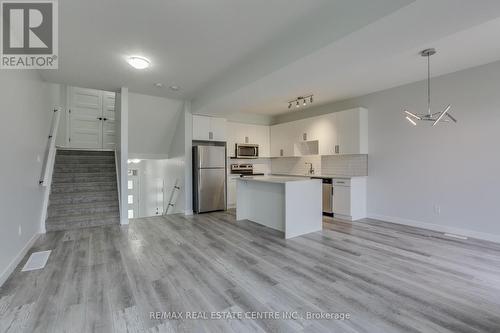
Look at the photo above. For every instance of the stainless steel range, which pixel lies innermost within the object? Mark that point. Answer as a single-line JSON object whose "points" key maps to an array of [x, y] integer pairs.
{"points": [[244, 169]]}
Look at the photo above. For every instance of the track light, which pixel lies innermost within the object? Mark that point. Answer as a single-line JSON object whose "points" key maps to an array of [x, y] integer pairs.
{"points": [[301, 100]]}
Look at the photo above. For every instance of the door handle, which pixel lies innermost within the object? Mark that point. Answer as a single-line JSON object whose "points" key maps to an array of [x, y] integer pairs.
{"points": [[104, 119], [100, 118]]}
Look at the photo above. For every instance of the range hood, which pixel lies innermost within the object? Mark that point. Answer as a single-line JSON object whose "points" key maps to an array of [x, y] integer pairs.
{"points": [[305, 148]]}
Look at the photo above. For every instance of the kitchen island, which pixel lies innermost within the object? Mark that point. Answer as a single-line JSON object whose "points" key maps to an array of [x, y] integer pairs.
{"points": [[292, 205]]}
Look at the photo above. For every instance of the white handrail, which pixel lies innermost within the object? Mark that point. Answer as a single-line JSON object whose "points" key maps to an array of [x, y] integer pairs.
{"points": [[50, 151], [173, 196]]}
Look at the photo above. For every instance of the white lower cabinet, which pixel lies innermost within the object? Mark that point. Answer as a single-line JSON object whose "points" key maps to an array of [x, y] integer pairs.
{"points": [[231, 191], [349, 198]]}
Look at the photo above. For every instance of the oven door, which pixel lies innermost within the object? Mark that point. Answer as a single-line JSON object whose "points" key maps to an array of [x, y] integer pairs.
{"points": [[247, 151]]}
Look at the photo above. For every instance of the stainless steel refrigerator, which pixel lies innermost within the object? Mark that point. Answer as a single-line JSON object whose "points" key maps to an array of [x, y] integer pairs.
{"points": [[209, 178]]}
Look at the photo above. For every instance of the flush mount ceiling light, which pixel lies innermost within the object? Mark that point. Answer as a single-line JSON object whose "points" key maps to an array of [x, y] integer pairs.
{"points": [[138, 62], [159, 85], [174, 88], [301, 100], [436, 117]]}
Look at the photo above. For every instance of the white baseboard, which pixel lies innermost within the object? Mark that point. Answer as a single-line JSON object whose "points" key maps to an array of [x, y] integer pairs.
{"points": [[13, 264], [439, 228], [188, 212]]}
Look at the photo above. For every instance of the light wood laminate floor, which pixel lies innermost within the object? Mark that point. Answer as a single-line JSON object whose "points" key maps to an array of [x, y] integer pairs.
{"points": [[389, 278]]}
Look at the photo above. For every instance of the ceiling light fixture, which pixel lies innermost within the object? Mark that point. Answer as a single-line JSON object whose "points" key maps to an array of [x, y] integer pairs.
{"points": [[174, 88], [435, 117], [139, 62], [159, 85], [301, 100]]}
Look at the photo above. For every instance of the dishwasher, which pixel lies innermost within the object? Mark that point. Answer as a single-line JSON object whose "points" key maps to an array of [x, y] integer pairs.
{"points": [[327, 196]]}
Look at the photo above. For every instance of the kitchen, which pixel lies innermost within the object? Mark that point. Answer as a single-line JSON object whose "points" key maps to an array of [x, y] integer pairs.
{"points": [[332, 149]]}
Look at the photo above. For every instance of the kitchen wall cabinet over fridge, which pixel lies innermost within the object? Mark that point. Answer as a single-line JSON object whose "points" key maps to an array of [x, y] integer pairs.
{"points": [[209, 128]]}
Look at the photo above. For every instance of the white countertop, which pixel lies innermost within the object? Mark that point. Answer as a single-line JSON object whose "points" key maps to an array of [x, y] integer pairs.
{"points": [[316, 176], [275, 179]]}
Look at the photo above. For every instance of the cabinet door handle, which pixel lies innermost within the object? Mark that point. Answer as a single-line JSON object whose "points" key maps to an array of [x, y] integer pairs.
{"points": [[210, 135], [304, 136], [246, 139], [281, 152], [337, 149], [99, 118], [104, 119]]}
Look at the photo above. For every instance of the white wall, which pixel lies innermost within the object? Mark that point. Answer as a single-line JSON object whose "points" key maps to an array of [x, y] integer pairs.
{"points": [[152, 124], [26, 107], [188, 170], [454, 167], [122, 135]]}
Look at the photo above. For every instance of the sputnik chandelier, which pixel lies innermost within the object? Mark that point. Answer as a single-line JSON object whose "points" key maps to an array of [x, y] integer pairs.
{"points": [[301, 101], [435, 117]]}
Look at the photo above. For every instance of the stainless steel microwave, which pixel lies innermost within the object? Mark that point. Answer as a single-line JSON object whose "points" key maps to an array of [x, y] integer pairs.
{"points": [[246, 150]]}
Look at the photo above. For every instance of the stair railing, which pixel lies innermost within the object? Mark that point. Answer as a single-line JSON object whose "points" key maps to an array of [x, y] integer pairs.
{"points": [[173, 196], [50, 150]]}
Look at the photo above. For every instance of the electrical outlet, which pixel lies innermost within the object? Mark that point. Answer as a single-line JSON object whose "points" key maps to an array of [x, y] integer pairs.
{"points": [[437, 209], [20, 230]]}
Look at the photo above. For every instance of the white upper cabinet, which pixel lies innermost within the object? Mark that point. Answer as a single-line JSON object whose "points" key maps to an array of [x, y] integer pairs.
{"points": [[352, 132], [283, 138], [248, 133], [209, 128], [337, 133]]}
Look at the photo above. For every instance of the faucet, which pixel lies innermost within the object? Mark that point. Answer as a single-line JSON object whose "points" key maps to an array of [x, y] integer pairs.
{"points": [[311, 169]]}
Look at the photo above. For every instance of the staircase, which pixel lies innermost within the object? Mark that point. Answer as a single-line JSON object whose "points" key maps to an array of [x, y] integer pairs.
{"points": [[83, 191]]}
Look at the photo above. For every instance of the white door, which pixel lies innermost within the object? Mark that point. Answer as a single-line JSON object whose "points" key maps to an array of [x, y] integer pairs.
{"points": [[108, 120], [85, 113], [92, 119]]}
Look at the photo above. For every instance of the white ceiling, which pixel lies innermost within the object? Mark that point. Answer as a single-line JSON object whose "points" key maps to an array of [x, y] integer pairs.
{"points": [[188, 41], [252, 56]]}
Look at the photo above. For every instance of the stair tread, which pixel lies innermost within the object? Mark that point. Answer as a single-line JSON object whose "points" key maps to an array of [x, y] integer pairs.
{"points": [[77, 216], [86, 183], [86, 193], [82, 225], [79, 152], [81, 218], [84, 204]]}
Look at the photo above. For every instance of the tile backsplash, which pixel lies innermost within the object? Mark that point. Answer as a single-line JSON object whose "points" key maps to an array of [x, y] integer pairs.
{"points": [[339, 165], [345, 165], [295, 165]]}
